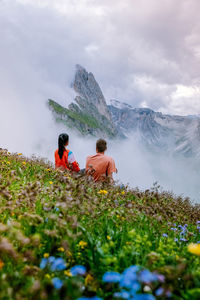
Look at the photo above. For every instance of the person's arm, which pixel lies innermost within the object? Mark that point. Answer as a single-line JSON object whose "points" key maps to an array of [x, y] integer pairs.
{"points": [[111, 169], [73, 163]]}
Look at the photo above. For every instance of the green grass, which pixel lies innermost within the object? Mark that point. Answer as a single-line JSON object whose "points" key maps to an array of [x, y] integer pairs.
{"points": [[44, 212]]}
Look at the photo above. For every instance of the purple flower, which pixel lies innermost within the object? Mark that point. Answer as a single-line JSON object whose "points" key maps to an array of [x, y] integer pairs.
{"points": [[112, 277], [175, 240], [198, 222], [78, 270], [57, 283]]}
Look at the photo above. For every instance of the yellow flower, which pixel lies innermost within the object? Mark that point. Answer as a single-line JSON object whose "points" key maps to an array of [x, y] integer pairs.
{"points": [[88, 279], [68, 273], [61, 249], [48, 170], [24, 163], [1, 264], [103, 192], [46, 255], [12, 213], [108, 237], [47, 276], [123, 192], [194, 248], [50, 182], [8, 162], [19, 154], [82, 244]]}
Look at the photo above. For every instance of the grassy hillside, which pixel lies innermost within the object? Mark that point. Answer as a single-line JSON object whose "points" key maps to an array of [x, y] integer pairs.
{"points": [[62, 237]]}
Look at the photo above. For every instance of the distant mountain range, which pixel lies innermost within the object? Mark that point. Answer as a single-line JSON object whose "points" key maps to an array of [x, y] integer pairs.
{"points": [[89, 114]]}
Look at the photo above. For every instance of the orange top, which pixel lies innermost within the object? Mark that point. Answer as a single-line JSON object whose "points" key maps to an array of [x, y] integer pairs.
{"points": [[67, 162], [100, 166]]}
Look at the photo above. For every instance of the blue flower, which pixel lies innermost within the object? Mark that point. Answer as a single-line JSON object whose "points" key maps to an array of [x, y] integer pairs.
{"points": [[183, 240], [165, 235], [111, 277], [57, 209], [78, 270], [43, 263], [173, 228], [123, 294], [51, 259], [57, 283], [159, 291], [175, 240], [147, 277], [58, 265], [129, 276]]}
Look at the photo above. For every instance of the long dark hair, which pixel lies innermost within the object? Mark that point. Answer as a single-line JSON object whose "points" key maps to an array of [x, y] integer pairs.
{"points": [[62, 140]]}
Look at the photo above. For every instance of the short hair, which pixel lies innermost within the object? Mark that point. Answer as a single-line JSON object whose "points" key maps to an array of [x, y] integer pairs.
{"points": [[101, 145]]}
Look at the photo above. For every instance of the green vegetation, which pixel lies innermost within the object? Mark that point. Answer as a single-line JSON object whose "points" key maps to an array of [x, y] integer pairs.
{"points": [[80, 117], [49, 213]]}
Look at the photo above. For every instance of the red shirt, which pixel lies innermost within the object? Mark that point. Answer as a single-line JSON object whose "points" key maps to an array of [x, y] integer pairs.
{"points": [[67, 161]]}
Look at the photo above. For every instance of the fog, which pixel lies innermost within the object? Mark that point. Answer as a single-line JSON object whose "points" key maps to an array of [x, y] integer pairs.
{"points": [[146, 54]]}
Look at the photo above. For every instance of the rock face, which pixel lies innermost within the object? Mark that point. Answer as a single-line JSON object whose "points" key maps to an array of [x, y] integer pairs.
{"points": [[89, 114], [173, 134]]}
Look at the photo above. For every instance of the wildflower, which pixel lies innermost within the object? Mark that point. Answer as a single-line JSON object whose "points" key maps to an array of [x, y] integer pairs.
{"points": [[88, 279], [46, 255], [19, 154], [24, 163], [129, 276], [57, 283], [194, 248], [165, 235], [61, 249], [58, 265], [67, 273], [173, 228], [50, 182], [43, 263], [78, 270], [82, 244], [1, 264], [103, 192], [159, 292], [123, 294], [183, 240], [56, 208], [112, 277], [108, 237], [48, 170], [47, 276], [8, 162], [147, 277], [123, 192]]}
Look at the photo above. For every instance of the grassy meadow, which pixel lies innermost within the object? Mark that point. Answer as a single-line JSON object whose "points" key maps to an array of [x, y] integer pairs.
{"points": [[64, 237]]}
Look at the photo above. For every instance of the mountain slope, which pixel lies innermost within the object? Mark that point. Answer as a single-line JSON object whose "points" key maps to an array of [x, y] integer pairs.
{"points": [[89, 113]]}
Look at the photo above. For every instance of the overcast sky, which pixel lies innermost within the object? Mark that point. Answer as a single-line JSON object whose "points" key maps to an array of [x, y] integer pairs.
{"points": [[144, 52]]}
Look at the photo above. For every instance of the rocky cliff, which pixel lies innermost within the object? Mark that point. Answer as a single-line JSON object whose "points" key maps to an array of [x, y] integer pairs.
{"points": [[89, 113]]}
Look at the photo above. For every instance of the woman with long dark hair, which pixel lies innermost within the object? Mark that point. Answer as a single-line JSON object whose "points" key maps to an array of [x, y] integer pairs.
{"points": [[64, 158]]}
